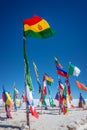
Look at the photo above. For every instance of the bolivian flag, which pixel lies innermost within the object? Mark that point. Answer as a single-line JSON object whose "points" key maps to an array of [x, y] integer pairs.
{"points": [[37, 27]]}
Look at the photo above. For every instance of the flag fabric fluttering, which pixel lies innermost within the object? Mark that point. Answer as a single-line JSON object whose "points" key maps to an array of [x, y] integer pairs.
{"points": [[73, 70], [81, 85], [65, 107], [62, 72], [35, 68], [37, 76], [15, 96], [82, 102], [51, 101], [28, 86], [57, 63], [48, 79], [68, 89], [57, 97], [44, 86], [8, 103], [27, 73], [7, 98], [37, 27], [61, 87], [16, 92], [43, 93]]}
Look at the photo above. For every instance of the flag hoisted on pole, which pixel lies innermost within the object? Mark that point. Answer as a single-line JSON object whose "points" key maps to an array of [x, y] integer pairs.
{"points": [[73, 70], [49, 80], [28, 87], [35, 27], [37, 76]]}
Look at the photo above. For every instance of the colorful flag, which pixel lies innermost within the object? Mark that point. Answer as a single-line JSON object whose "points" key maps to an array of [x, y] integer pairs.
{"points": [[37, 76], [57, 97], [61, 86], [48, 79], [81, 85], [37, 27], [16, 91], [7, 99], [33, 111], [62, 72], [43, 93], [35, 68], [28, 86], [57, 63], [44, 86], [27, 76], [68, 89], [81, 101], [73, 70], [65, 92], [51, 101]]}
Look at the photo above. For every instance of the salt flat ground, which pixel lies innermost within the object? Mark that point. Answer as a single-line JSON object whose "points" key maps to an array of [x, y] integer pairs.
{"points": [[49, 119]]}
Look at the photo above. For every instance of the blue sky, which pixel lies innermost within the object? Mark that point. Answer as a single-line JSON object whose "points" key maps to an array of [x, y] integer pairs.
{"points": [[68, 18]]}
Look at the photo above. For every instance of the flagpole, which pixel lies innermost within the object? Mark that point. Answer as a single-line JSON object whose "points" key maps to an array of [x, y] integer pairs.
{"points": [[40, 85], [58, 77], [25, 82]]}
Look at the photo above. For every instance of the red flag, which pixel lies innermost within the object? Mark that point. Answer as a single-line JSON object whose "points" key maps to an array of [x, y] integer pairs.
{"points": [[33, 112], [44, 86]]}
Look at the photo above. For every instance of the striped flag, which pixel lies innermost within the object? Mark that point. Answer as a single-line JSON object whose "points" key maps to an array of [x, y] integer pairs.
{"points": [[37, 76], [48, 79], [73, 70], [57, 63], [37, 27], [29, 95]]}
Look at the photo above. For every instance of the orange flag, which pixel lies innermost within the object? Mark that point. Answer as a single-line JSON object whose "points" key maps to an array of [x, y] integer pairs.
{"points": [[81, 86]]}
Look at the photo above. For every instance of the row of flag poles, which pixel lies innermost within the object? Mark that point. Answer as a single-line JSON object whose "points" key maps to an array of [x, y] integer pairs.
{"points": [[64, 93], [37, 27]]}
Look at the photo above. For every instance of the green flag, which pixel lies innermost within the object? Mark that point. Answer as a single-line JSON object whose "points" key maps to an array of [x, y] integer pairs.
{"points": [[28, 78]]}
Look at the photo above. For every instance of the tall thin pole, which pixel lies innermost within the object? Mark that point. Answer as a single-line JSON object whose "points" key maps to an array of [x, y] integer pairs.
{"points": [[25, 82], [58, 77]]}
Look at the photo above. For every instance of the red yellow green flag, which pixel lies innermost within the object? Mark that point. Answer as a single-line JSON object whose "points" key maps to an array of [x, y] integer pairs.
{"points": [[37, 27]]}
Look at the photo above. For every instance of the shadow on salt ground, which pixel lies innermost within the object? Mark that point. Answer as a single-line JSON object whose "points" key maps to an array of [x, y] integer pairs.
{"points": [[51, 113], [48, 113], [2, 118], [9, 126]]}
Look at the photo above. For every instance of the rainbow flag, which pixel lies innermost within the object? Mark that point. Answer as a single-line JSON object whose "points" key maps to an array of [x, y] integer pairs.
{"points": [[37, 27], [48, 79]]}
